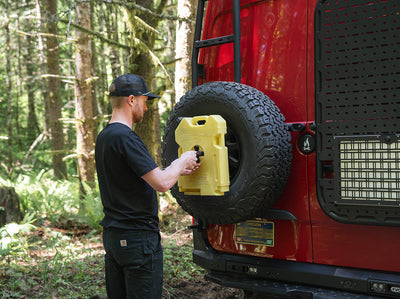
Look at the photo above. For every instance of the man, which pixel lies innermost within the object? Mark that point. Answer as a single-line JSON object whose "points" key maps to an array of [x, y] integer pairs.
{"points": [[128, 180]]}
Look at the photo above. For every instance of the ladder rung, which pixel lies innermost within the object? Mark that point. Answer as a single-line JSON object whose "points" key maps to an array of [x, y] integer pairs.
{"points": [[214, 41]]}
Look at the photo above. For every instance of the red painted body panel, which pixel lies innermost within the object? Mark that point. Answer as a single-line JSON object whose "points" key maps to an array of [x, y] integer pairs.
{"points": [[277, 50], [267, 51]]}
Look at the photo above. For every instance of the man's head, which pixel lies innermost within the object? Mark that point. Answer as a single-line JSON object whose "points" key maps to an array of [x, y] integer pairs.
{"points": [[131, 91], [130, 84]]}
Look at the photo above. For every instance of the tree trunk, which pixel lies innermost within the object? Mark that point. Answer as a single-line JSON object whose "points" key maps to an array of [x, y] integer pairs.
{"points": [[169, 101], [43, 68], [83, 94], [27, 54], [102, 68], [141, 64], [112, 33], [149, 130], [32, 122], [8, 88], [19, 85], [184, 46], [54, 87], [94, 71], [9, 206]]}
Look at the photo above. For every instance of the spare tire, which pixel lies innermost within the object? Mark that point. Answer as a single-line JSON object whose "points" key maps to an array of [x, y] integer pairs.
{"points": [[259, 150]]}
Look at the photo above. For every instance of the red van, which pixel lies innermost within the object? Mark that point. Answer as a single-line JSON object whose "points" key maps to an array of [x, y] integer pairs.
{"points": [[310, 92]]}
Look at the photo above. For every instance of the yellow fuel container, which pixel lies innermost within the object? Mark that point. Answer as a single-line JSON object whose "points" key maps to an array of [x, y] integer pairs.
{"points": [[207, 134]]}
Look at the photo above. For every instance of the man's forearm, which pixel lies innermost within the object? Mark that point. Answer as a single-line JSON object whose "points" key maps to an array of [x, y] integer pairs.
{"points": [[163, 180]]}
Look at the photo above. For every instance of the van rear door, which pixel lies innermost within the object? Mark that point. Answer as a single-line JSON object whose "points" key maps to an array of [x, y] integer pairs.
{"points": [[274, 60]]}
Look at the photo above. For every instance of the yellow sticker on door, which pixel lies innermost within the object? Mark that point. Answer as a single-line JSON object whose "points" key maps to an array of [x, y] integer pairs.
{"points": [[255, 232]]}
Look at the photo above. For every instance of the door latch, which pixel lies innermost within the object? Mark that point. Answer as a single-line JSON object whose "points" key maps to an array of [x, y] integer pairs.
{"points": [[296, 127]]}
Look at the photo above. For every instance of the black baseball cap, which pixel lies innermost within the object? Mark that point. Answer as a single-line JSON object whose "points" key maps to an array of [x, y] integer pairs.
{"points": [[130, 84]]}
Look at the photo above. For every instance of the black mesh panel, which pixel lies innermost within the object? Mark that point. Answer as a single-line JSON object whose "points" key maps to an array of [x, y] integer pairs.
{"points": [[357, 85]]}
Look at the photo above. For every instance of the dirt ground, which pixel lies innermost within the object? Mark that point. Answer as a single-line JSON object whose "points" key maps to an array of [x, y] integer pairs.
{"points": [[201, 290], [174, 227]]}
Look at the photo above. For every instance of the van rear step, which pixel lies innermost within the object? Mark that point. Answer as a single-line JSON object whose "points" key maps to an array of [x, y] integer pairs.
{"points": [[279, 290]]}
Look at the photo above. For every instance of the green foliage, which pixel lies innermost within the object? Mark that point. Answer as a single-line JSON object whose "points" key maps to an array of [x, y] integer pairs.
{"points": [[91, 212], [36, 261], [31, 144], [178, 262], [55, 266], [70, 276], [40, 261], [57, 201], [45, 262], [13, 237]]}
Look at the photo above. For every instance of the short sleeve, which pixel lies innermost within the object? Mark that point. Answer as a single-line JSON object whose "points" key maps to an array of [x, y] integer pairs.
{"points": [[138, 156]]}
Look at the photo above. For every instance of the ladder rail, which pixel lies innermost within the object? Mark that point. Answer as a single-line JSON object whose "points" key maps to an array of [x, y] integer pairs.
{"points": [[234, 38], [236, 41], [197, 37]]}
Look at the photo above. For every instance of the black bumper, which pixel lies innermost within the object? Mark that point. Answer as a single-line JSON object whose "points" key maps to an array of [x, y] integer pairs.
{"points": [[289, 279], [274, 289]]}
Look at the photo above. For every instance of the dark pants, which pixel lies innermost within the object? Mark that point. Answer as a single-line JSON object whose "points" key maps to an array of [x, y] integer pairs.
{"points": [[133, 264]]}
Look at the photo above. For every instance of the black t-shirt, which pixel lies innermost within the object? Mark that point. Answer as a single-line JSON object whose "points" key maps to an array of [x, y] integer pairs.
{"points": [[121, 160]]}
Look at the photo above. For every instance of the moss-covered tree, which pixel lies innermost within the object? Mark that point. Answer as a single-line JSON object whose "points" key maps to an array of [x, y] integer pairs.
{"points": [[142, 24], [54, 90], [84, 97]]}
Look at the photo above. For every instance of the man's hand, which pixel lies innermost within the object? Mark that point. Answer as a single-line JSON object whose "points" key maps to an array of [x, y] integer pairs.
{"points": [[190, 160], [163, 180]]}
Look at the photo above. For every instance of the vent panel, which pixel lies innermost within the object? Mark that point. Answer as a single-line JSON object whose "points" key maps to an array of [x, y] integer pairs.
{"points": [[357, 88]]}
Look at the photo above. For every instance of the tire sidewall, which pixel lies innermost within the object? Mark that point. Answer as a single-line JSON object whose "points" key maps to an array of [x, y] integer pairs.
{"points": [[225, 99]]}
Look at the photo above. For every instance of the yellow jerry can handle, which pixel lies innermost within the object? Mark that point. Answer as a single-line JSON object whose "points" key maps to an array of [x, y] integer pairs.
{"points": [[206, 134]]}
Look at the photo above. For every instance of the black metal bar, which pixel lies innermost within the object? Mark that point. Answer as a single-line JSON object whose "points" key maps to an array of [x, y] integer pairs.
{"points": [[197, 36], [236, 43], [214, 41], [198, 43]]}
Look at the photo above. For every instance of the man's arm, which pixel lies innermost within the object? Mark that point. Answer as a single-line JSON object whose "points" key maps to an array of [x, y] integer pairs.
{"points": [[163, 180]]}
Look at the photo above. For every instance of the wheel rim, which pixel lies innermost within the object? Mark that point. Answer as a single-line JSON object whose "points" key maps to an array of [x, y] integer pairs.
{"points": [[234, 153]]}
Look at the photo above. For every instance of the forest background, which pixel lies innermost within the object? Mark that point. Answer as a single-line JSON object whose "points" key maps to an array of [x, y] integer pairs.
{"points": [[57, 60]]}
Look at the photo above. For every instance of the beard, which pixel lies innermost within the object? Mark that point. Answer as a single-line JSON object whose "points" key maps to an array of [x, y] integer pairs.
{"points": [[138, 118]]}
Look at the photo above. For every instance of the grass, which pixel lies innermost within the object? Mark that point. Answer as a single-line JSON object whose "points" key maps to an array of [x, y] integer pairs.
{"points": [[46, 263], [57, 201], [49, 263], [57, 252]]}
